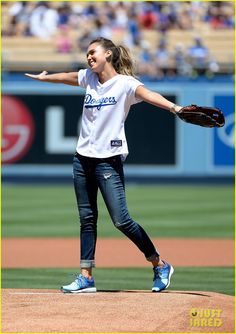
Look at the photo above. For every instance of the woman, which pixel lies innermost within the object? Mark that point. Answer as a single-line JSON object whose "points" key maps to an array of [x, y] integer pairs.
{"points": [[98, 162]]}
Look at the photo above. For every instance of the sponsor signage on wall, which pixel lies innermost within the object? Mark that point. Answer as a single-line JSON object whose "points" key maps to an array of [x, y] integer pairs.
{"points": [[18, 129], [44, 129], [223, 138]]}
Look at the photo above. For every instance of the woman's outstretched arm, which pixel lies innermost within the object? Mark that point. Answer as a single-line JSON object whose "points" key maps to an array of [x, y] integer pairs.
{"points": [[156, 99], [70, 78]]}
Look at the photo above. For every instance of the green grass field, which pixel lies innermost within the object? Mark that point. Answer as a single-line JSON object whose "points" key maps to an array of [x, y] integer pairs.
{"points": [[164, 211], [184, 278]]}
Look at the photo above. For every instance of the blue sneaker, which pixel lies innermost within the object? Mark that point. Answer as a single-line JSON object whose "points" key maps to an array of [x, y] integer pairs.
{"points": [[162, 277], [80, 285]]}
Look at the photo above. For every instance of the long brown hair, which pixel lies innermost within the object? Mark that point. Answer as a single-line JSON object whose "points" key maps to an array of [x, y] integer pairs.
{"points": [[121, 59]]}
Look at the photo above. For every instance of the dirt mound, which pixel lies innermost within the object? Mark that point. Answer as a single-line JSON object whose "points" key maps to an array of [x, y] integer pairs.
{"points": [[116, 311]]}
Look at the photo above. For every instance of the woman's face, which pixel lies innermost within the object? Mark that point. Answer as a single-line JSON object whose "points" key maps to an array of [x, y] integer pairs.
{"points": [[97, 57]]}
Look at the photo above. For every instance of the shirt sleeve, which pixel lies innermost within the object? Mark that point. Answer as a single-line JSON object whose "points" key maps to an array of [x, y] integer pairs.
{"points": [[83, 77], [131, 86]]}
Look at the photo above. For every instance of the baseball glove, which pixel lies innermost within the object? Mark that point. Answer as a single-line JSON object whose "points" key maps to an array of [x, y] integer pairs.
{"points": [[203, 116]]}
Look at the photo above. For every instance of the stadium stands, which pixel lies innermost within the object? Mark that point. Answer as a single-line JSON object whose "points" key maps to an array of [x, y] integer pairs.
{"points": [[23, 51]]}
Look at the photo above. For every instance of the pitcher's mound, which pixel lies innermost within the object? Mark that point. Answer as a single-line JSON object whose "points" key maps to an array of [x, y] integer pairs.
{"points": [[116, 311]]}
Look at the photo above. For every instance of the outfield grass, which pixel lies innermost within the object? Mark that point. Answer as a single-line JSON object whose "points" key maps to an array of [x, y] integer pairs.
{"points": [[164, 211], [184, 278]]}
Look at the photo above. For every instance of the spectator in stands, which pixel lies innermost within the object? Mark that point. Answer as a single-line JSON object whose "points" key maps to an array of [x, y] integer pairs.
{"points": [[84, 39], [120, 15], [163, 58], [164, 19], [50, 20], [101, 28], [44, 20], [63, 41], [20, 13], [183, 68], [184, 17], [133, 29], [198, 56], [90, 10], [148, 18], [64, 13], [220, 15], [146, 64], [110, 10]]}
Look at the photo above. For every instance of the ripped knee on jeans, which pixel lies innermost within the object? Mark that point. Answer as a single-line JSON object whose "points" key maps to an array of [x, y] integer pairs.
{"points": [[119, 223]]}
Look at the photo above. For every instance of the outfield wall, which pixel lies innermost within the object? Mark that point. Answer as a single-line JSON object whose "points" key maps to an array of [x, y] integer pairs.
{"points": [[41, 123]]}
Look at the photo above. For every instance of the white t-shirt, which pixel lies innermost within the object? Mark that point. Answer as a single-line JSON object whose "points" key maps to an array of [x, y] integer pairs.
{"points": [[105, 109]]}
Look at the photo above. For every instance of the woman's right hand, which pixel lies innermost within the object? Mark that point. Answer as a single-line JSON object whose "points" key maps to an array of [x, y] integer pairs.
{"points": [[68, 78], [39, 76]]}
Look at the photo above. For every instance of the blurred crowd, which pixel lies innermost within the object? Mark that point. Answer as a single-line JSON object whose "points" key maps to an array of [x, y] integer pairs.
{"points": [[56, 20]]}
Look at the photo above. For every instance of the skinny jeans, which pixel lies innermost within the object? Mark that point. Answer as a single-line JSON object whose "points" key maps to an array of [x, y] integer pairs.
{"points": [[91, 174]]}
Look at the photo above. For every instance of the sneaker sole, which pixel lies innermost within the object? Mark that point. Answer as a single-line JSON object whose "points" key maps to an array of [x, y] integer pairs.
{"points": [[87, 290], [168, 283]]}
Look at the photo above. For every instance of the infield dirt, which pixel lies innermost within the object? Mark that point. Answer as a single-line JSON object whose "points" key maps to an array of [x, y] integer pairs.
{"points": [[116, 311], [64, 253]]}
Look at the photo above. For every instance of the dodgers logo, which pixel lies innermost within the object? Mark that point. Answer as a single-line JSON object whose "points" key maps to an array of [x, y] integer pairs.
{"points": [[90, 102], [226, 133]]}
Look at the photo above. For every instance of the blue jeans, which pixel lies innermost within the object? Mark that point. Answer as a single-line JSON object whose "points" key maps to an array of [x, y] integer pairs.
{"points": [[106, 174]]}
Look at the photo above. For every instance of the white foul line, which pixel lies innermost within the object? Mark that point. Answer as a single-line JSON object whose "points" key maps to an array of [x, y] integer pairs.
{"points": [[34, 293]]}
